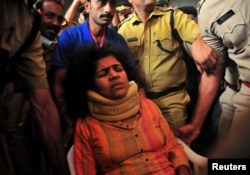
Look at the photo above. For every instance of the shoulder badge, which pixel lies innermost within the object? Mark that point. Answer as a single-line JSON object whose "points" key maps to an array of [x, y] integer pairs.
{"points": [[225, 16]]}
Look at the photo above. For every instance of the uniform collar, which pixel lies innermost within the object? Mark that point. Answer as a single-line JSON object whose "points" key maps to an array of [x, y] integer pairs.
{"points": [[199, 5]]}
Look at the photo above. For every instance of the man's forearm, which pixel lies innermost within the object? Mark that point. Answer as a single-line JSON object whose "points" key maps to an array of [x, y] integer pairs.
{"points": [[48, 125], [72, 10], [208, 89]]}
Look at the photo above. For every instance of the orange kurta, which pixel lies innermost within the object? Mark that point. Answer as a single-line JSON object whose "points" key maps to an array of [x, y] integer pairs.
{"points": [[147, 146]]}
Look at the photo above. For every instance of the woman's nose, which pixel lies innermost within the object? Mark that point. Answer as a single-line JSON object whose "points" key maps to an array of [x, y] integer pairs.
{"points": [[112, 73]]}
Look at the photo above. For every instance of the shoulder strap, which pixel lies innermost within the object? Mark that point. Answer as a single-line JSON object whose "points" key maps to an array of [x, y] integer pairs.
{"points": [[193, 73], [173, 29]]}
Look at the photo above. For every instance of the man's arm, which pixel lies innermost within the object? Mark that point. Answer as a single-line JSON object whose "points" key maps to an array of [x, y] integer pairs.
{"points": [[72, 10], [47, 122], [57, 86], [58, 94], [208, 89]]}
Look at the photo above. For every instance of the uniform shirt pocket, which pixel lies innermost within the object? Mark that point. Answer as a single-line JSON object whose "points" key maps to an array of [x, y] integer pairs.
{"points": [[164, 43], [232, 29]]}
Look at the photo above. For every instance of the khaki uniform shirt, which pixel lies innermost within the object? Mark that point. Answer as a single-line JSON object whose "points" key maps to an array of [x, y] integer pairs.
{"points": [[227, 30], [15, 26], [160, 70]]}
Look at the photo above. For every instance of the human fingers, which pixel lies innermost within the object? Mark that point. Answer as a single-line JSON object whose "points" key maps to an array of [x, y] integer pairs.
{"points": [[208, 66], [204, 67], [214, 57], [211, 65], [199, 67]]}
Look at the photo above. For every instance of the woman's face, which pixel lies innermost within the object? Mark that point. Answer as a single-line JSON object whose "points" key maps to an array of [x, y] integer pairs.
{"points": [[110, 79]]}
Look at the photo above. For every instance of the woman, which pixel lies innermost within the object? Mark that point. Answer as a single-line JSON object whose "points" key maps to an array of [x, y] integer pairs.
{"points": [[118, 132]]}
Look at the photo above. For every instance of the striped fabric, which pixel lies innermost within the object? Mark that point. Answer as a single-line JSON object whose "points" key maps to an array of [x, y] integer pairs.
{"points": [[147, 146]]}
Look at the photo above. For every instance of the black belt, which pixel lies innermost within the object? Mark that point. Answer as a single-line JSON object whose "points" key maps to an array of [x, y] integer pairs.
{"points": [[154, 95], [232, 86]]}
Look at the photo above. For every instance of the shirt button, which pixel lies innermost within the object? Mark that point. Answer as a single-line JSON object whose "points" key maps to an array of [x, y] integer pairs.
{"points": [[131, 101], [114, 110]]}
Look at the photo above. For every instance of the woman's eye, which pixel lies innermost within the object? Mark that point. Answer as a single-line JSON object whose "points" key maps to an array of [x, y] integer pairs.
{"points": [[102, 73], [118, 68]]}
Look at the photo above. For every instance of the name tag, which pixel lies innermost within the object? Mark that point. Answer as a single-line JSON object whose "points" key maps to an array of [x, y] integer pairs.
{"points": [[132, 39], [225, 16]]}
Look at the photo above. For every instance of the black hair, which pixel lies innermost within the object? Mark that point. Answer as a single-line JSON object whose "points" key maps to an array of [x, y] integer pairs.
{"points": [[81, 72], [39, 3]]}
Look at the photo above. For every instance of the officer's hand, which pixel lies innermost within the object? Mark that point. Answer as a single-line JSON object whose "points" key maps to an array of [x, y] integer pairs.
{"points": [[208, 66], [188, 133], [204, 56]]}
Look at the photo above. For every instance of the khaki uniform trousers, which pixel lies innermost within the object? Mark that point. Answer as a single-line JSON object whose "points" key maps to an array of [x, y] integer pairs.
{"points": [[226, 102], [174, 108]]}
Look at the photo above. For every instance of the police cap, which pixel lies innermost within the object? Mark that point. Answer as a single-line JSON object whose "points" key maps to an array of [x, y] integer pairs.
{"points": [[122, 5]]}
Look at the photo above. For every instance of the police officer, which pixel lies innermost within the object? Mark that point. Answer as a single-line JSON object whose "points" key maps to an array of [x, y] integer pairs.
{"points": [[160, 62], [227, 31], [21, 44]]}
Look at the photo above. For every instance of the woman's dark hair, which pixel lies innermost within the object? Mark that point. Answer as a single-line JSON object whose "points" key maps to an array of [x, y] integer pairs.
{"points": [[80, 76]]}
